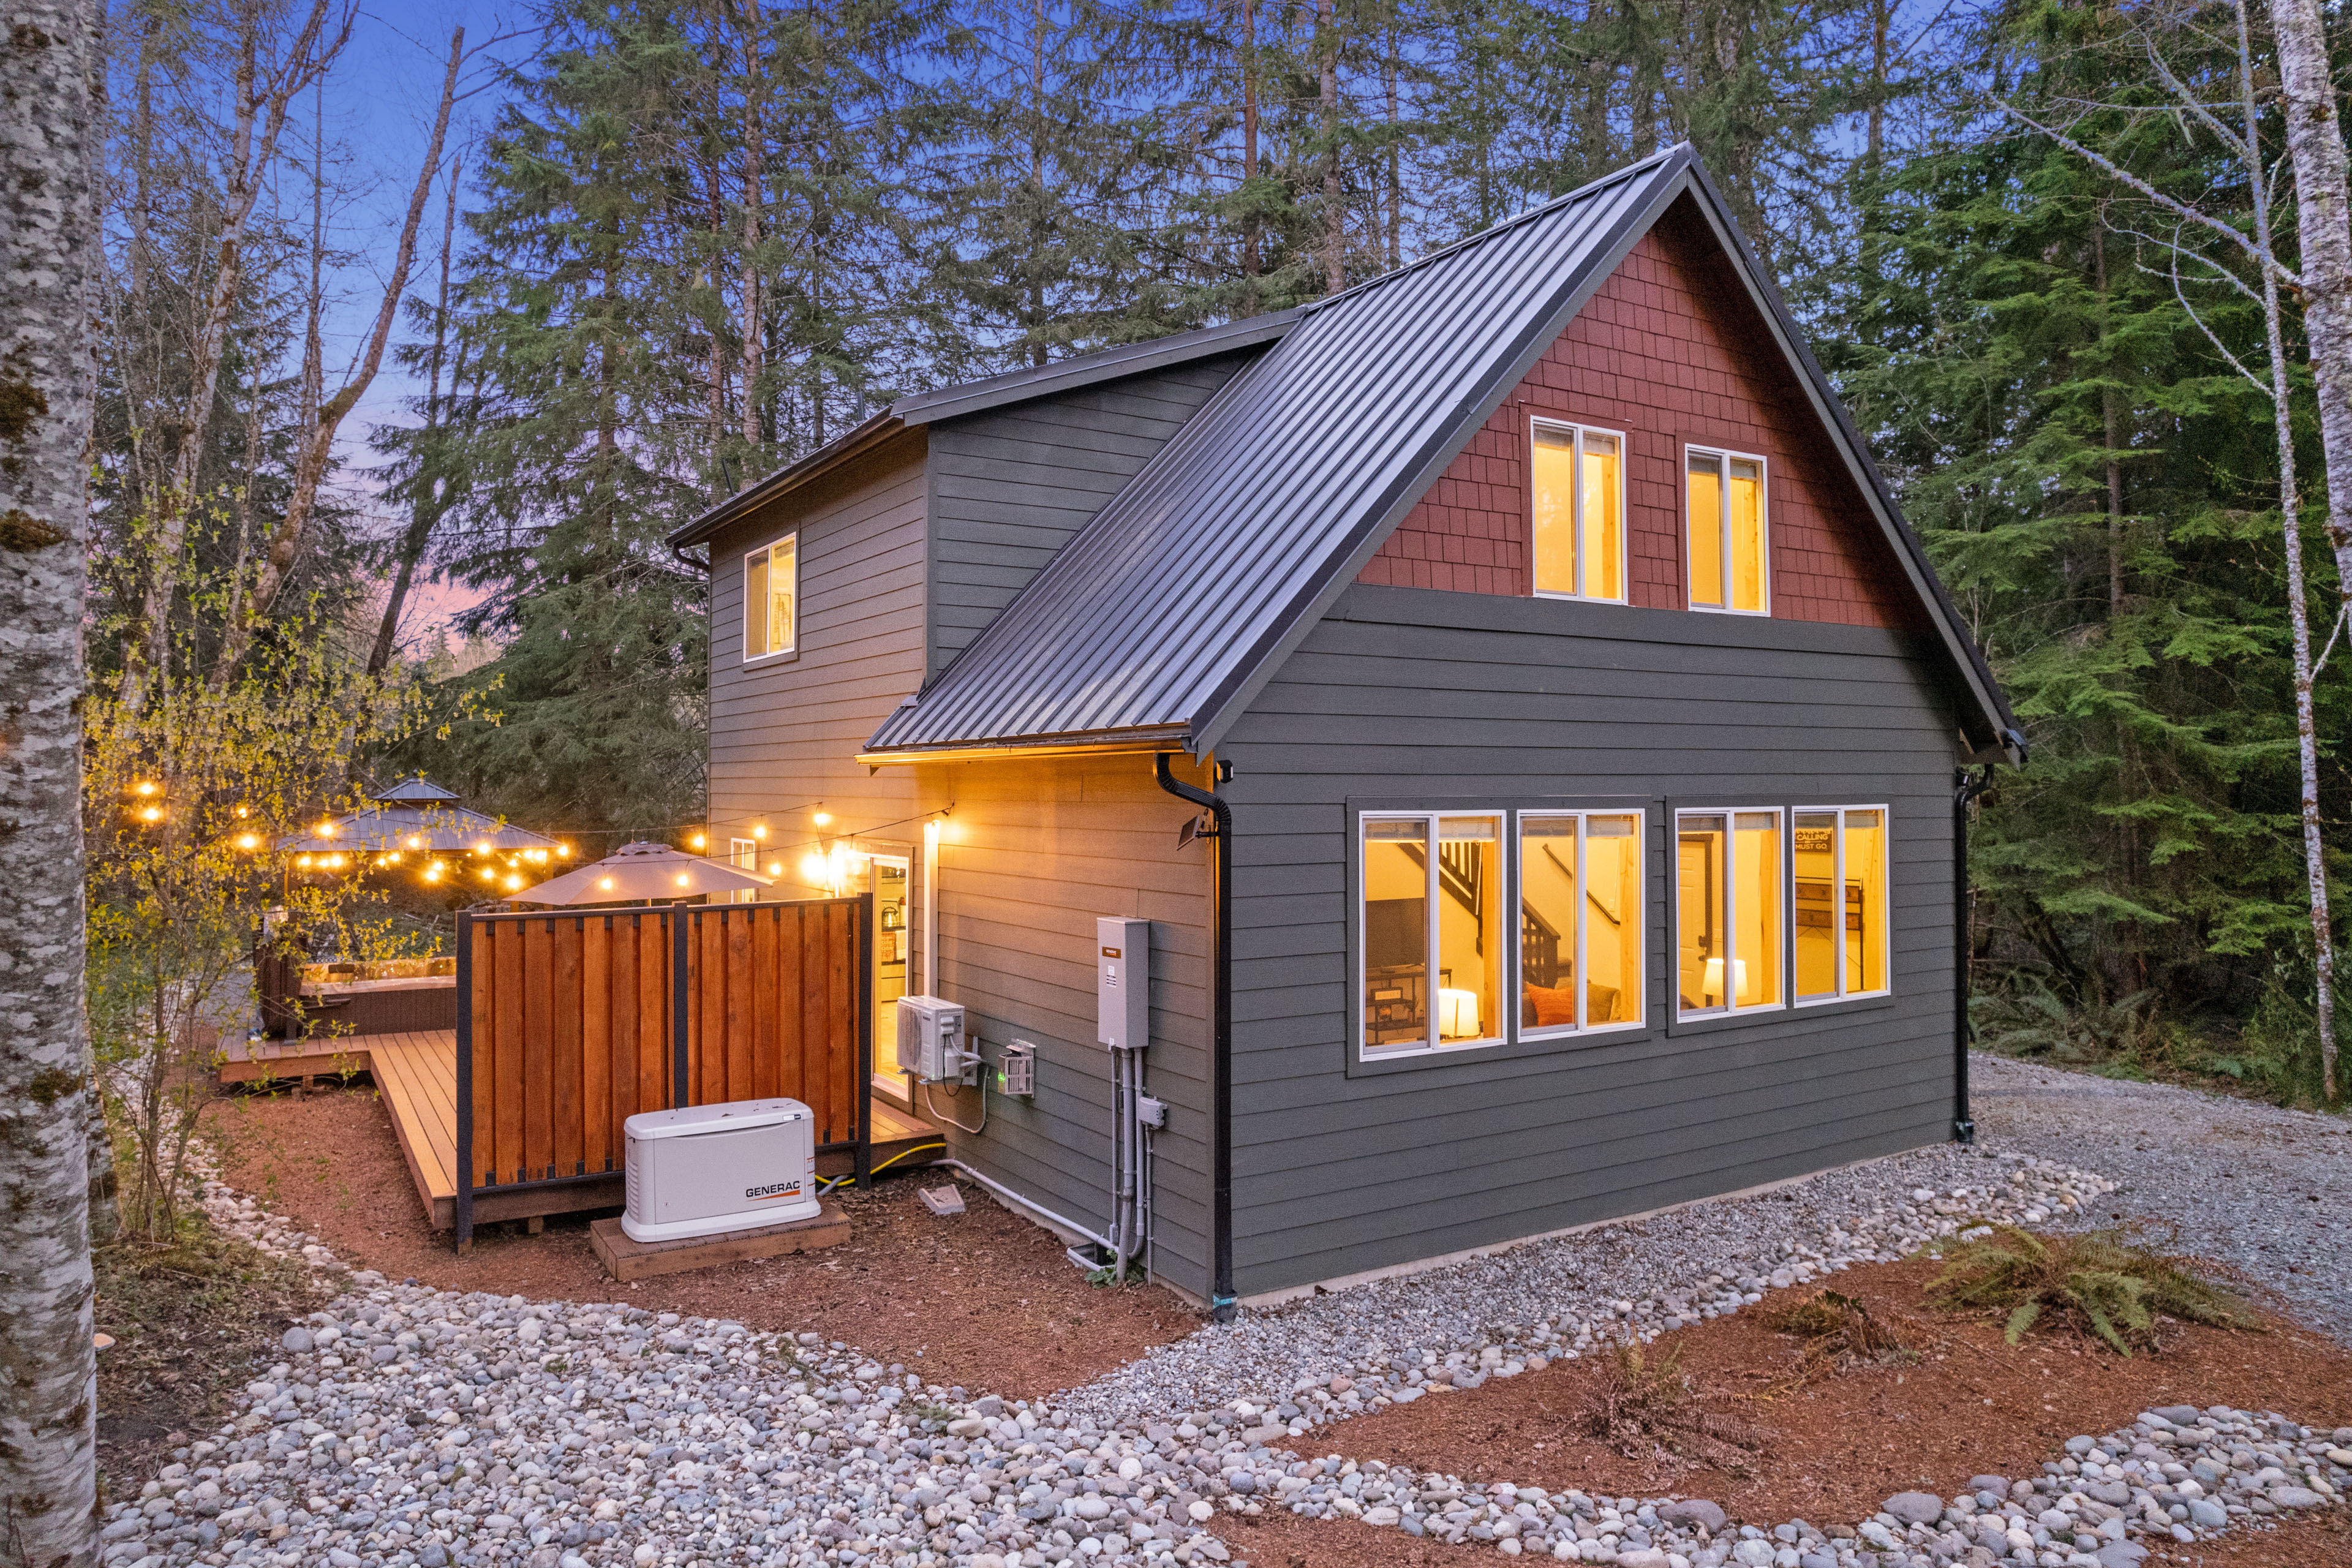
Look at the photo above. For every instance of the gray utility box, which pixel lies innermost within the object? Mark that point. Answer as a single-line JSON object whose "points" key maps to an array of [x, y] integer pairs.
{"points": [[1123, 983]]}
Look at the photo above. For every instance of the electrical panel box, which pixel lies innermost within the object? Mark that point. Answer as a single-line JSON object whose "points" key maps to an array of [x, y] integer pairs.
{"points": [[1123, 983], [1017, 1068], [930, 1039]]}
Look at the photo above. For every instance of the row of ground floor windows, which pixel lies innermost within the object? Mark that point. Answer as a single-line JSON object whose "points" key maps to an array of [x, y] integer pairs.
{"points": [[1770, 904]]}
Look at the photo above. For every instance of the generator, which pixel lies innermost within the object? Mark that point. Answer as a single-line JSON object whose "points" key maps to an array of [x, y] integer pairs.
{"points": [[708, 1169]]}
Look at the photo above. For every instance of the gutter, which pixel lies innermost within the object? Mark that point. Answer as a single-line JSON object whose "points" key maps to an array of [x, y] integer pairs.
{"points": [[1966, 788], [1221, 1077], [1126, 743]]}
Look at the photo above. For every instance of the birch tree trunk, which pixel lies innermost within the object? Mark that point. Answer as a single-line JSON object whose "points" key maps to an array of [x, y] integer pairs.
{"points": [[48, 1374], [2290, 506], [2315, 144]]}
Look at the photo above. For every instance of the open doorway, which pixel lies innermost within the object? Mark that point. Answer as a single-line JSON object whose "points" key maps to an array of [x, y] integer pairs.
{"points": [[887, 878]]}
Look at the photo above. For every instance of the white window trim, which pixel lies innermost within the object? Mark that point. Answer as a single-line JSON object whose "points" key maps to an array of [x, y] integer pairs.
{"points": [[1433, 1046], [1578, 431], [1582, 1027], [1731, 1008], [768, 549], [744, 854], [1885, 911], [1723, 527]]}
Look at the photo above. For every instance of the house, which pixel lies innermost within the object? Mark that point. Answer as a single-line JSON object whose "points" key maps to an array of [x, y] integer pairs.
{"points": [[1544, 574]]}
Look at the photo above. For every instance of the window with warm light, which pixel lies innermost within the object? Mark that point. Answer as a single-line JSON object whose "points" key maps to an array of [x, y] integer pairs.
{"points": [[744, 854], [1727, 911], [1431, 927], [1728, 547], [1581, 928], [1838, 855], [772, 599], [1578, 482]]}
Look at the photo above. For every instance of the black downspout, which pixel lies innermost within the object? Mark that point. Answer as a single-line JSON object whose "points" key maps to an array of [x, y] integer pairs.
{"points": [[1966, 787], [1221, 1073]]}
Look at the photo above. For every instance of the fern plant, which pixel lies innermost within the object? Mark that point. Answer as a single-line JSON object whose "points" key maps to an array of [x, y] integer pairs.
{"points": [[2094, 1279]]}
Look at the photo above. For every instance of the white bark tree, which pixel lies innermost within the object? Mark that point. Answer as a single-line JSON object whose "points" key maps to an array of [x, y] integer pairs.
{"points": [[48, 1374]]}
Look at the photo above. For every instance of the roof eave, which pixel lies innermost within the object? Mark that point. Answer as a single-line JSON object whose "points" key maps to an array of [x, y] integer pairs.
{"points": [[1101, 743], [792, 477]]}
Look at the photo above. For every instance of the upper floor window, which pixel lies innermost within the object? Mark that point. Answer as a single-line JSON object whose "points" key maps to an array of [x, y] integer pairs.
{"points": [[1839, 854], [771, 584], [1580, 510], [1724, 502]]}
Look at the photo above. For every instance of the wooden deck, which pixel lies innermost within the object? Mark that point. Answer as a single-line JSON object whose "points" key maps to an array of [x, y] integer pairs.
{"points": [[417, 1075]]}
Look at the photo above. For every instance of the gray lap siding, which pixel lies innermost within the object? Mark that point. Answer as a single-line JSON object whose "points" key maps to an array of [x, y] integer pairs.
{"points": [[1414, 697]]}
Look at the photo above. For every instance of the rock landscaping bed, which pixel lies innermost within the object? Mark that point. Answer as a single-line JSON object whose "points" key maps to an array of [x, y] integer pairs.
{"points": [[412, 1426], [984, 1298]]}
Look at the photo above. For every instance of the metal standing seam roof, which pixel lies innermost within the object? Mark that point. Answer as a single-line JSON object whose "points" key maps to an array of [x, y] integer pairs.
{"points": [[1163, 616]]}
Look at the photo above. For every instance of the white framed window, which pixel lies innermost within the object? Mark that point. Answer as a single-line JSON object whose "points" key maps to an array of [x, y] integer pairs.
{"points": [[1726, 534], [771, 585], [1431, 963], [1577, 481], [744, 854], [1728, 896], [1838, 866], [1583, 930]]}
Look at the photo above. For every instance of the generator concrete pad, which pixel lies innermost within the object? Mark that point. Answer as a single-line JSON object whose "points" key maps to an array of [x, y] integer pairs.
{"points": [[625, 1259]]}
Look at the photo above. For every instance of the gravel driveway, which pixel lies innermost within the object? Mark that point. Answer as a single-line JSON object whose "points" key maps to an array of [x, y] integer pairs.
{"points": [[2247, 1183]]}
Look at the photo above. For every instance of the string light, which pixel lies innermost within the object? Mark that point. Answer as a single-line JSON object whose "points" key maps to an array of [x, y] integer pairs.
{"points": [[244, 811], [248, 841], [489, 874], [152, 813], [681, 878], [607, 883], [759, 830], [433, 872], [564, 851], [775, 867], [698, 841], [812, 868], [303, 861], [513, 882], [145, 787], [822, 819], [326, 830], [415, 842]]}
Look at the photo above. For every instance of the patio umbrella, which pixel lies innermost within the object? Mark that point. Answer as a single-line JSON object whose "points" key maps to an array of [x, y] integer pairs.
{"points": [[639, 874]]}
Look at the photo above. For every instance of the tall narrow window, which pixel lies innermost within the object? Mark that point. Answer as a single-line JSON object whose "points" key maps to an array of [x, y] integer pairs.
{"points": [[744, 855], [1580, 510], [1580, 925], [1728, 546], [1728, 885], [1840, 861], [772, 599], [1431, 927]]}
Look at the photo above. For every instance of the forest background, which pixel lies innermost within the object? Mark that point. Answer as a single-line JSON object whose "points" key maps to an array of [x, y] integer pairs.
{"points": [[656, 249]]}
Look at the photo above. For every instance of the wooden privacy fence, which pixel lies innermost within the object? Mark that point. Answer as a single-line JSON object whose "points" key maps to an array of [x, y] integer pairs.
{"points": [[569, 1023]]}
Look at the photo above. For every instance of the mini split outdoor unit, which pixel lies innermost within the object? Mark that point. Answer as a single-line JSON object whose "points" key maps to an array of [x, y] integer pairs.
{"points": [[930, 1039], [707, 1169]]}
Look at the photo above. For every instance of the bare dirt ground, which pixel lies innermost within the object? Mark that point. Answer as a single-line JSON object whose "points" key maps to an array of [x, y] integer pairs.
{"points": [[1970, 1406], [985, 1301]]}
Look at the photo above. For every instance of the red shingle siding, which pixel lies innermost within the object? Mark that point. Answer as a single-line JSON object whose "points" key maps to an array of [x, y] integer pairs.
{"points": [[1669, 351]]}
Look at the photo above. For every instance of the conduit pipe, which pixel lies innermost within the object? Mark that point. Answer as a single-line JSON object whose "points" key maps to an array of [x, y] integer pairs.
{"points": [[1061, 1221], [1220, 1064], [1966, 787]]}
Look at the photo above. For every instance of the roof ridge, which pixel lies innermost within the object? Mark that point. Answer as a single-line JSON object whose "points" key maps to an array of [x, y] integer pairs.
{"points": [[1519, 219]]}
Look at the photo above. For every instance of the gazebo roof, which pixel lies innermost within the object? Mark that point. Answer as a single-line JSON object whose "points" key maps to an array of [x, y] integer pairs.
{"points": [[416, 790]]}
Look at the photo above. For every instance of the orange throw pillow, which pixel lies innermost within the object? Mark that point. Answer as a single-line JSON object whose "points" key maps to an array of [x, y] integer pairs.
{"points": [[1555, 1005]]}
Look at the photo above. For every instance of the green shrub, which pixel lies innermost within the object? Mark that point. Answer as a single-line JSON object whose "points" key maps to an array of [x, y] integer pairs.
{"points": [[2094, 1280]]}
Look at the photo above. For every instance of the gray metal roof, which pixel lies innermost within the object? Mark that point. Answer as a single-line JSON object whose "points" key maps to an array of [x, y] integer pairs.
{"points": [[993, 392], [1158, 621]]}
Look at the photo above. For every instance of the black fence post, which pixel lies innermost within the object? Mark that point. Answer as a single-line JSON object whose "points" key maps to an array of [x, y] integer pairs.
{"points": [[465, 1208], [680, 956]]}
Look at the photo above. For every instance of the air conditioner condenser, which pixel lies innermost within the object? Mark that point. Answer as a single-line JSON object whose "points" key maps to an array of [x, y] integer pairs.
{"points": [[708, 1169], [931, 1041]]}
